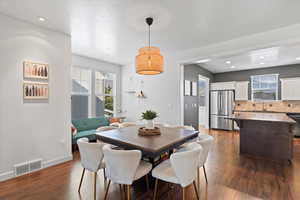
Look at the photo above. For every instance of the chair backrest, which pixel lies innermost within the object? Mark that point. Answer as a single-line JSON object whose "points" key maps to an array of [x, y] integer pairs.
{"points": [[206, 142], [121, 165], [91, 154], [185, 163]]}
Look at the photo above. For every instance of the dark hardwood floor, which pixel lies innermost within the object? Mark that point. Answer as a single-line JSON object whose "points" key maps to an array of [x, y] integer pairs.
{"points": [[230, 176]]}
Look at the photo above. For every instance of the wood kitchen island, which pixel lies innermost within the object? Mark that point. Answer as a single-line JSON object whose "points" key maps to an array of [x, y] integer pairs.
{"points": [[268, 135]]}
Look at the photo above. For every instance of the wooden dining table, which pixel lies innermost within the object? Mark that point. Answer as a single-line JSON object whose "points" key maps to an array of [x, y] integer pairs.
{"points": [[150, 146]]}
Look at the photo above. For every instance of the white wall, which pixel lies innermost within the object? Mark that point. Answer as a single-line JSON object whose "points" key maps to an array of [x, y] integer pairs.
{"points": [[91, 63], [162, 92], [31, 130]]}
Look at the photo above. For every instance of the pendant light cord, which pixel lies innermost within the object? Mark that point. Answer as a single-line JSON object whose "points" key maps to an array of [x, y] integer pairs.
{"points": [[149, 36]]}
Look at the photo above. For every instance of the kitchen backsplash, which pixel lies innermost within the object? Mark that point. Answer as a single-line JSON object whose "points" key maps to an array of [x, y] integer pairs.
{"points": [[272, 106]]}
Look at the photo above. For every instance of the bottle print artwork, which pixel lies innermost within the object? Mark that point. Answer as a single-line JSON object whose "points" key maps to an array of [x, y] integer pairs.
{"points": [[46, 71], [34, 89], [26, 91], [35, 70]]}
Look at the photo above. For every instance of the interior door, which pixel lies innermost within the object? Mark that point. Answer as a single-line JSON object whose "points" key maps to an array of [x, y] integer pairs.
{"points": [[191, 111], [203, 104]]}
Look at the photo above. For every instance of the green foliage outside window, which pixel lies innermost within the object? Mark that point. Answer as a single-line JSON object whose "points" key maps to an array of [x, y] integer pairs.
{"points": [[108, 90], [109, 103]]}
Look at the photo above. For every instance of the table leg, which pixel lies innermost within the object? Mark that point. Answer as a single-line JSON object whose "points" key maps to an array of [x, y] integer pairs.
{"points": [[171, 152], [151, 179], [152, 161]]}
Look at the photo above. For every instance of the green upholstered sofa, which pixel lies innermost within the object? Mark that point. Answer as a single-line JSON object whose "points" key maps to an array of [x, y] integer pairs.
{"points": [[87, 127]]}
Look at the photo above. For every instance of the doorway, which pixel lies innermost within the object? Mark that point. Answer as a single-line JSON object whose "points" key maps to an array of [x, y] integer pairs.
{"points": [[203, 108], [194, 97]]}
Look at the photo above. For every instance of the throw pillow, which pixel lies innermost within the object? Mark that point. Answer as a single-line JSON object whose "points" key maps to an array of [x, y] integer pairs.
{"points": [[114, 119]]}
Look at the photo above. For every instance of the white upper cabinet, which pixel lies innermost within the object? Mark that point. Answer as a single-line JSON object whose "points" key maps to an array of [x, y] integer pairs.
{"points": [[222, 86], [241, 90], [290, 88], [240, 87]]}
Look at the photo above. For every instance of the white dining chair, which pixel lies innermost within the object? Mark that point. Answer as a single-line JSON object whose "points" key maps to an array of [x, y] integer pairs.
{"points": [[91, 156], [206, 142], [180, 169], [124, 167]]}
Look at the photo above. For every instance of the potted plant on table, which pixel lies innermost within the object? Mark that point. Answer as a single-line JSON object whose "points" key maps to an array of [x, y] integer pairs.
{"points": [[149, 116]]}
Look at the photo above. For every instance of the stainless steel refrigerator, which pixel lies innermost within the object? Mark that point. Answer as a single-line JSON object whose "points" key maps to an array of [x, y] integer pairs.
{"points": [[221, 105]]}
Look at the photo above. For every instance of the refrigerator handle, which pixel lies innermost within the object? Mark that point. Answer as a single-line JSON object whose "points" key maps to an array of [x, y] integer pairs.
{"points": [[219, 103]]}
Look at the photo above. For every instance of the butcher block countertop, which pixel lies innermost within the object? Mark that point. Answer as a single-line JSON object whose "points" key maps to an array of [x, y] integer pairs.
{"points": [[260, 116]]}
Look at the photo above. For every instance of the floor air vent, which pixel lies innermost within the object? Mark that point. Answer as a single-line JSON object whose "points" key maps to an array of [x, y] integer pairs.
{"points": [[25, 168], [35, 165], [21, 169]]}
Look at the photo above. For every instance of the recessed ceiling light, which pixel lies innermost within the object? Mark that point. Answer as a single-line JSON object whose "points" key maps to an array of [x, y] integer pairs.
{"points": [[232, 66], [228, 62], [262, 63], [42, 19], [204, 60], [298, 58]]}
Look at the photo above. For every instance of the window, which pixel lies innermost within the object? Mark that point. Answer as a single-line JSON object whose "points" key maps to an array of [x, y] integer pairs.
{"points": [[81, 92], [93, 93], [104, 93], [264, 87]]}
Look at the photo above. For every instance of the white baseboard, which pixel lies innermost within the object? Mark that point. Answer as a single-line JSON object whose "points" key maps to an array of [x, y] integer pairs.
{"points": [[57, 161], [7, 175], [10, 174]]}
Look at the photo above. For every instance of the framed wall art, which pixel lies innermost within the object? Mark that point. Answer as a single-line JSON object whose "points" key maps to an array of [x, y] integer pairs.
{"points": [[194, 89], [187, 88], [35, 90], [33, 70]]}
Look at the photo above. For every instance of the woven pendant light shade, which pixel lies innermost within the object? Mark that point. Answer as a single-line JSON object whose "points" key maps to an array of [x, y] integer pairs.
{"points": [[149, 61]]}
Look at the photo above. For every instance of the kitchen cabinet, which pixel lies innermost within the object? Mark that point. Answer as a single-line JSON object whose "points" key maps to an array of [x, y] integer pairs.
{"points": [[268, 135], [290, 88], [222, 86], [241, 90]]}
